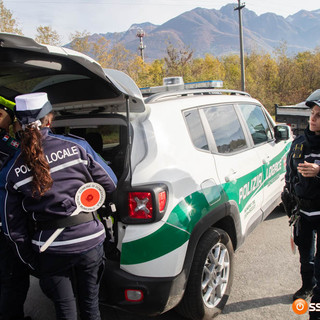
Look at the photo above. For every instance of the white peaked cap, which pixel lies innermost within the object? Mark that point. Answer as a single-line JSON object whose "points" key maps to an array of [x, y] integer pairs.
{"points": [[32, 106]]}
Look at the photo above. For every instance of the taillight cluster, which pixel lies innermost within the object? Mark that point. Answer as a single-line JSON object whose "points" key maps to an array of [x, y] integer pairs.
{"points": [[162, 198], [145, 205], [140, 205]]}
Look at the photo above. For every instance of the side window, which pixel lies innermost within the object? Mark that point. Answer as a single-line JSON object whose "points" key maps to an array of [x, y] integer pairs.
{"points": [[226, 128], [257, 123], [196, 129]]}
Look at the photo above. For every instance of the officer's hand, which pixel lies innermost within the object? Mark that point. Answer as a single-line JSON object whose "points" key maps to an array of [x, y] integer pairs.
{"points": [[308, 170]]}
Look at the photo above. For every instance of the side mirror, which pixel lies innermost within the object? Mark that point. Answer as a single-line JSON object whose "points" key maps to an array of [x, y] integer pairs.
{"points": [[282, 132]]}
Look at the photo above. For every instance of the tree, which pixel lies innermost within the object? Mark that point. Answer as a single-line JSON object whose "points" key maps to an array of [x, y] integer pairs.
{"points": [[79, 41], [209, 68], [232, 69], [261, 78], [156, 72], [308, 72], [178, 61], [120, 57], [138, 71], [48, 36], [146, 75], [100, 51], [7, 23], [287, 77]]}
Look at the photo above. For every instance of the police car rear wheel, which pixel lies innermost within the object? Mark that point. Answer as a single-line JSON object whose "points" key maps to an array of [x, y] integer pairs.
{"points": [[210, 278]]}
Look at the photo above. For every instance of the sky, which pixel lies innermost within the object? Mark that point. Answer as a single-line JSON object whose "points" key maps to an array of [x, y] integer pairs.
{"points": [[102, 16]]}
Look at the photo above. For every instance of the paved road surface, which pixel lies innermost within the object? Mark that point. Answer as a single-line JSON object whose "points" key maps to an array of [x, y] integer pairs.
{"points": [[266, 276]]}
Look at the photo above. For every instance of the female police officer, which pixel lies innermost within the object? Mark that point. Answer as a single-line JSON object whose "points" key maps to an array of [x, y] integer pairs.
{"points": [[303, 180], [42, 184]]}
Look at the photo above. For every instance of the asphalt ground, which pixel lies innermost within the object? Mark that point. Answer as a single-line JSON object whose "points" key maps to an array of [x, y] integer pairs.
{"points": [[266, 275]]}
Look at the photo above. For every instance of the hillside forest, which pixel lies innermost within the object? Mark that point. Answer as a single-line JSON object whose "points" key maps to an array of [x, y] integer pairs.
{"points": [[271, 78]]}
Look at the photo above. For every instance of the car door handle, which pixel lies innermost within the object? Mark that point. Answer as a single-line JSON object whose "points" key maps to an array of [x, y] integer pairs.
{"points": [[231, 176], [266, 160]]}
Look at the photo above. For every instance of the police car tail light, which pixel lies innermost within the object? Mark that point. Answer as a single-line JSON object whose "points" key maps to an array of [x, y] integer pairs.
{"points": [[162, 197], [140, 205], [146, 205]]}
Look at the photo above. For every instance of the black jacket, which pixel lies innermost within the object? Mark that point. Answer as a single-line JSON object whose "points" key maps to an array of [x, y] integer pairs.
{"points": [[8, 147], [305, 148]]}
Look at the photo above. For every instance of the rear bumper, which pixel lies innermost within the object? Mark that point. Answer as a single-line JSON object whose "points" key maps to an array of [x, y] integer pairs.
{"points": [[159, 294]]}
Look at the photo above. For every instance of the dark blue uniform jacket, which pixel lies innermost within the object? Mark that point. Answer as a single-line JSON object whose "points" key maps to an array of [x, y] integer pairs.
{"points": [[72, 163], [305, 148], [8, 148]]}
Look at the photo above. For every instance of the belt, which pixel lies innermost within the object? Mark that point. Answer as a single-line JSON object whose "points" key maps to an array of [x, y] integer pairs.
{"points": [[64, 222], [309, 205]]}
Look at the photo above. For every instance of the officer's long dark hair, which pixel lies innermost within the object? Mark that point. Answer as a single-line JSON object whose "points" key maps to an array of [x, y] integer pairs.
{"points": [[33, 155]]}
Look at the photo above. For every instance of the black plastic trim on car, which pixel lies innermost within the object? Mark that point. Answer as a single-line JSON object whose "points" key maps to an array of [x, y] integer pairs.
{"points": [[200, 228], [229, 214], [159, 294], [233, 211]]}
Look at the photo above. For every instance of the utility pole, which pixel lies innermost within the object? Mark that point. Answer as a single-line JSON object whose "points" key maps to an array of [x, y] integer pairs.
{"points": [[241, 6], [140, 35]]}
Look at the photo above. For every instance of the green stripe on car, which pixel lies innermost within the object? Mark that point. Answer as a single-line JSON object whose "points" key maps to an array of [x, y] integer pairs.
{"points": [[183, 218]]}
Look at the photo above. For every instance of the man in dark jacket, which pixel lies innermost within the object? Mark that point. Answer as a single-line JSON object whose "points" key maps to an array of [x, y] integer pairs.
{"points": [[14, 274], [303, 180]]}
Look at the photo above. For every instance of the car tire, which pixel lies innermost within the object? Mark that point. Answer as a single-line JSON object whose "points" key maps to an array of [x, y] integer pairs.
{"points": [[210, 277]]}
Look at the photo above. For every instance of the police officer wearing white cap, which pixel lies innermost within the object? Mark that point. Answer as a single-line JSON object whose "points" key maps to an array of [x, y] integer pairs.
{"points": [[14, 282], [303, 180], [41, 185]]}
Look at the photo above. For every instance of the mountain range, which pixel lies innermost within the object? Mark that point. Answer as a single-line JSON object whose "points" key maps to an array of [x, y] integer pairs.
{"points": [[217, 32]]}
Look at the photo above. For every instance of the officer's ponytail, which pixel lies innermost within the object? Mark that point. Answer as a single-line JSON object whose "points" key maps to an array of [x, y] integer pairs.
{"points": [[33, 155]]}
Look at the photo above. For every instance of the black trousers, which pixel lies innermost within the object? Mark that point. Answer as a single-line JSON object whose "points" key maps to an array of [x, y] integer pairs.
{"points": [[305, 239], [72, 278], [15, 282]]}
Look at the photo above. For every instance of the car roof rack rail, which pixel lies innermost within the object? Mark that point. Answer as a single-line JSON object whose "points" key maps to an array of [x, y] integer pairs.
{"points": [[181, 93]]}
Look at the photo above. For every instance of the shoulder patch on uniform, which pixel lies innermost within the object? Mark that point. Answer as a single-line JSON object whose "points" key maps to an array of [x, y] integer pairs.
{"points": [[9, 142], [15, 143], [298, 151]]}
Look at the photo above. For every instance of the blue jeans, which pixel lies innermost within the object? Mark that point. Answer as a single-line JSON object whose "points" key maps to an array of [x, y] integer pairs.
{"points": [[67, 278]]}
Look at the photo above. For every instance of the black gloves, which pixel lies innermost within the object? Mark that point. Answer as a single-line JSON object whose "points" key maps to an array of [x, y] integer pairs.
{"points": [[289, 202]]}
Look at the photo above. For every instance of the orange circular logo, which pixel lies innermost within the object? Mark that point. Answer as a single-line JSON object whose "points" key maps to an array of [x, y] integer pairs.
{"points": [[90, 197], [300, 306]]}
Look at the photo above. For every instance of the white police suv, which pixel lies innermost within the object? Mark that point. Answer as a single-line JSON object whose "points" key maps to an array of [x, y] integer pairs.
{"points": [[198, 171]]}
